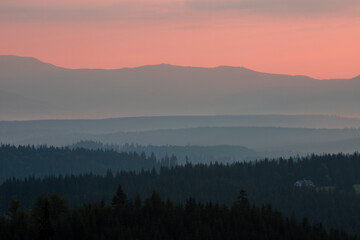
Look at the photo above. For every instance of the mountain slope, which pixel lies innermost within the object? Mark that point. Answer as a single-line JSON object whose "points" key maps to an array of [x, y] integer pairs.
{"points": [[168, 90]]}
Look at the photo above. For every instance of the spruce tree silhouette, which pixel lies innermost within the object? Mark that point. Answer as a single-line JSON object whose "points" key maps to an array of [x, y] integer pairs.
{"points": [[120, 198], [46, 231]]}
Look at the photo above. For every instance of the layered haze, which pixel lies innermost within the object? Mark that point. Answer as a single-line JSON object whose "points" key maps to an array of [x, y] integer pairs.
{"points": [[252, 101], [239, 112]]}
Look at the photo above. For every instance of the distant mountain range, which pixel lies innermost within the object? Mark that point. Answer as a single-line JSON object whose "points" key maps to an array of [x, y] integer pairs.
{"points": [[250, 136], [31, 89]]}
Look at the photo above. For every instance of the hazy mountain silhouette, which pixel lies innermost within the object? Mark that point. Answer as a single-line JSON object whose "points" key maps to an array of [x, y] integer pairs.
{"points": [[62, 132], [259, 133], [37, 90], [258, 138]]}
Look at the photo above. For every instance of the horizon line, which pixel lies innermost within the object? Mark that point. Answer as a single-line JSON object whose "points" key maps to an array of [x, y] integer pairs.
{"points": [[173, 65], [188, 115]]}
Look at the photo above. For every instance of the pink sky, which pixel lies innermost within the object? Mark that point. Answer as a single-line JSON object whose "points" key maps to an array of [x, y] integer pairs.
{"points": [[318, 38]]}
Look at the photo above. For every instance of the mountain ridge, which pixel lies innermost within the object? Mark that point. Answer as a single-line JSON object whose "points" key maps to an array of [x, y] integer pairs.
{"points": [[157, 90], [26, 59]]}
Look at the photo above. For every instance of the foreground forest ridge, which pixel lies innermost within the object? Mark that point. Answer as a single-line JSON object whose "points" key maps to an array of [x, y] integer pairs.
{"points": [[333, 202], [50, 218]]}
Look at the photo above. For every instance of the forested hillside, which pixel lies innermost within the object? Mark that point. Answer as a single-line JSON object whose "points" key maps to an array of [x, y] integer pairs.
{"points": [[50, 218], [23, 161], [333, 201]]}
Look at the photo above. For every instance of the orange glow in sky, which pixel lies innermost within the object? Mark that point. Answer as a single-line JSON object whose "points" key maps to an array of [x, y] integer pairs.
{"points": [[318, 38]]}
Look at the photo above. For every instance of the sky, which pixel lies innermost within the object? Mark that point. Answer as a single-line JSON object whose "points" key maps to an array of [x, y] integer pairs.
{"points": [[318, 38]]}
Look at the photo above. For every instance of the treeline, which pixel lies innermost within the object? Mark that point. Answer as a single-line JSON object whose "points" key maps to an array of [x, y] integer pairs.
{"points": [[23, 161], [192, 153], [153, 218]]}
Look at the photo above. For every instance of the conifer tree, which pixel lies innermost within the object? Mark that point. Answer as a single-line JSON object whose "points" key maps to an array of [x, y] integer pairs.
{"points": [[46, 231], [120, 198]]}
